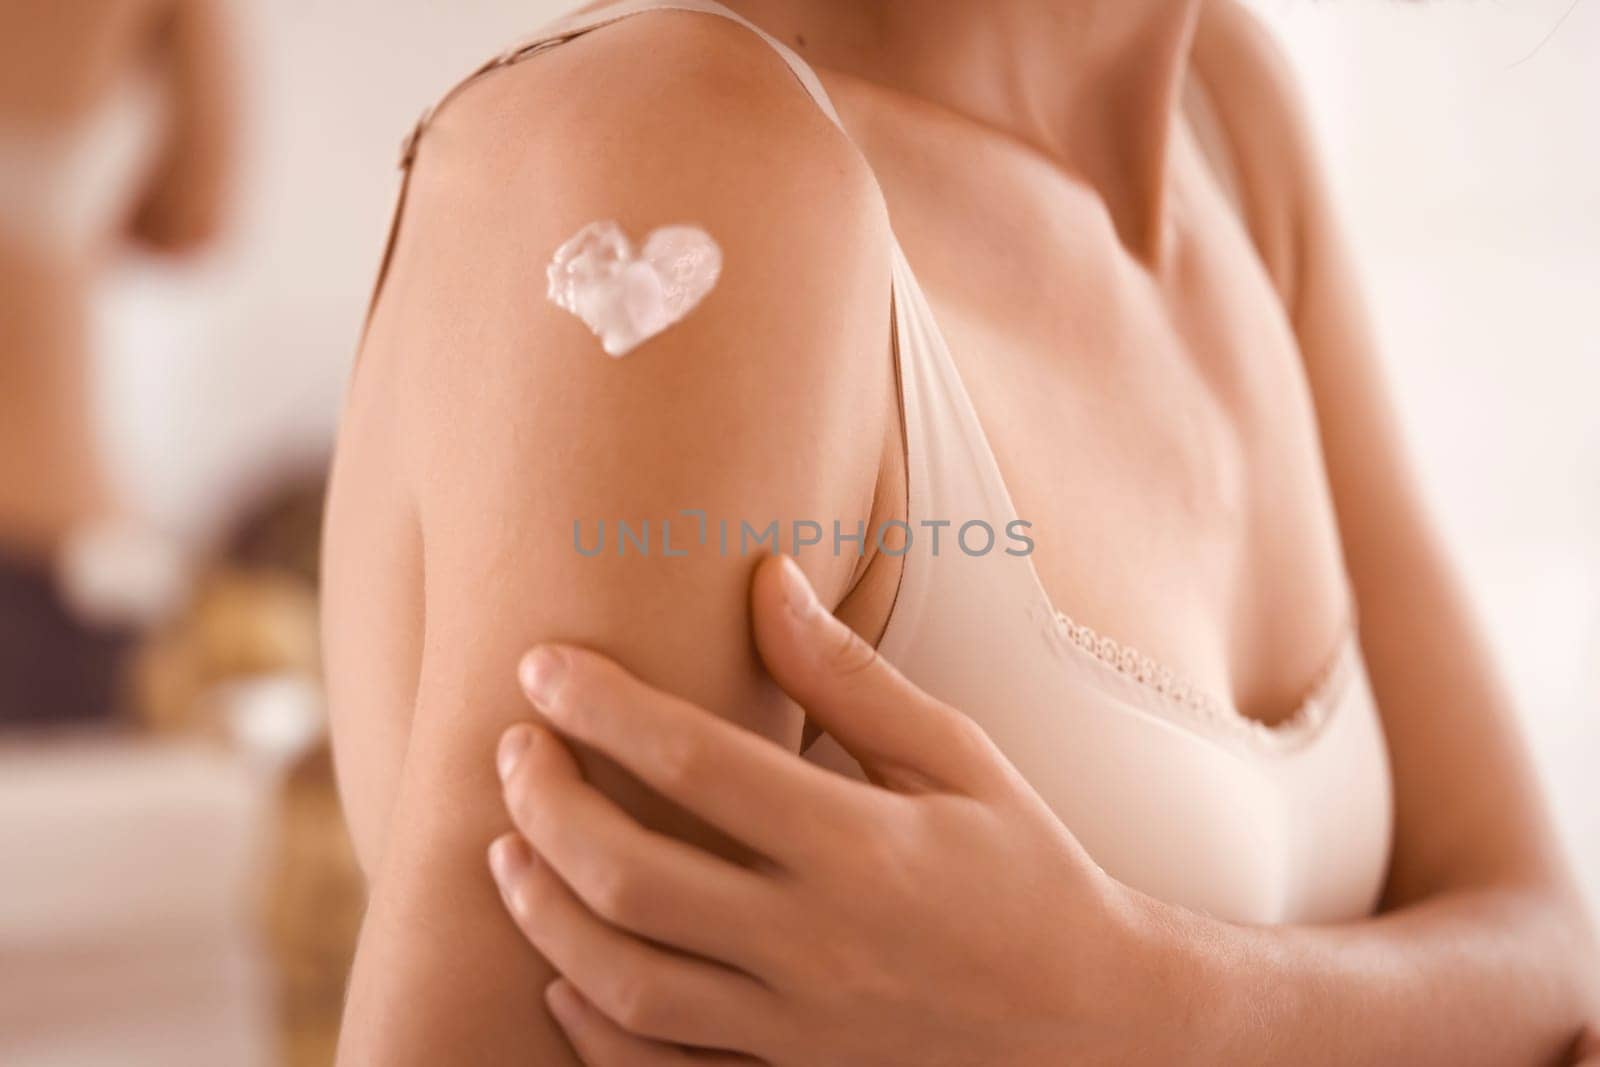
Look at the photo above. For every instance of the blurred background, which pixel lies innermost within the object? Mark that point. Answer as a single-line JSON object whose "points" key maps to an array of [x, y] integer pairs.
{"points": [[176, 889]]}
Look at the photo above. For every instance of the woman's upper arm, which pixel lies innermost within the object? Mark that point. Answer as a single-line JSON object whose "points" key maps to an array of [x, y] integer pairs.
{"points": [[1467, 805], [765, 403]]}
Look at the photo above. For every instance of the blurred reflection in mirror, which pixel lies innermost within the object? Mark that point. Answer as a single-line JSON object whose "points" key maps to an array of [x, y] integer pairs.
{"points": [[115, 133]]}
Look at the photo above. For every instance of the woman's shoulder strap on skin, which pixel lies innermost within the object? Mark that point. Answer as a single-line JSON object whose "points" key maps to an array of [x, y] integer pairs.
{"points": [[558, 32], [577, 23]]}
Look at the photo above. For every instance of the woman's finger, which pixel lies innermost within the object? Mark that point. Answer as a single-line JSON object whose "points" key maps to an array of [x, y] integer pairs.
{"points": [[901, 736], [738, 781], [646, 990], [631, 876], [599, 1042]]}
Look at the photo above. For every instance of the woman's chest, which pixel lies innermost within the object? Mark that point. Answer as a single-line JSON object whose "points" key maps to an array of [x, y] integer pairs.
{"points": [[1151, 421]]}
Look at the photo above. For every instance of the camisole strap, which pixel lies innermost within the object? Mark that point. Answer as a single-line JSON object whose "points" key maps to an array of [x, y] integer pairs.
{"points": [[580, 22], [1214, 141], [565, 29]]}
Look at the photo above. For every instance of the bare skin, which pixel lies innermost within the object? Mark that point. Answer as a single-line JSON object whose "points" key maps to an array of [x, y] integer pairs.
{"points": [[1222, 375], [59, 62]]}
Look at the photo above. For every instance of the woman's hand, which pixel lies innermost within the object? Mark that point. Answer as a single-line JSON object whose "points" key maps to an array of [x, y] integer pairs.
{"points": [[942, 915]]}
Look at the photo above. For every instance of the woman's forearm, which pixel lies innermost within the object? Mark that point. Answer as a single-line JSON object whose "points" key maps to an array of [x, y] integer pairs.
{"points": [[1482, 976]]}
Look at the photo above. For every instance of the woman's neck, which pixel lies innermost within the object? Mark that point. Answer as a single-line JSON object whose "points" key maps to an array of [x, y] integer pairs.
{"points": [[1093, 84]]}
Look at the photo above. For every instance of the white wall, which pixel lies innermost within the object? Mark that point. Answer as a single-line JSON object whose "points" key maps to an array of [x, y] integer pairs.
{"points": [[1463, 141]]}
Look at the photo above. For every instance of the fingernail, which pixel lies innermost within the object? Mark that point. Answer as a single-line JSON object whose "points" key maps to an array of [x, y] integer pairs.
{"points": [[513, 743], [508, 856], [540, 672], [797, 592], [561, 999]]}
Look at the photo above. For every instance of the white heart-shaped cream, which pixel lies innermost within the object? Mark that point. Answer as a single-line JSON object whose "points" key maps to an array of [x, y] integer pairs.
{"points": [[627, 297]]}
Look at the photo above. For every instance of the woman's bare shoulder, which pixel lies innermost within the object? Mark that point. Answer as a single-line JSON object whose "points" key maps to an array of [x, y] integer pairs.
{"points": [[658, 107], [661, 118], [657, 120], [1258, 99], [1247, 68]]}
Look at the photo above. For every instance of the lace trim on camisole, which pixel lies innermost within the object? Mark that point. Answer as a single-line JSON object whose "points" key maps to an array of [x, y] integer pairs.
{"points": [[1199, 705]]}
